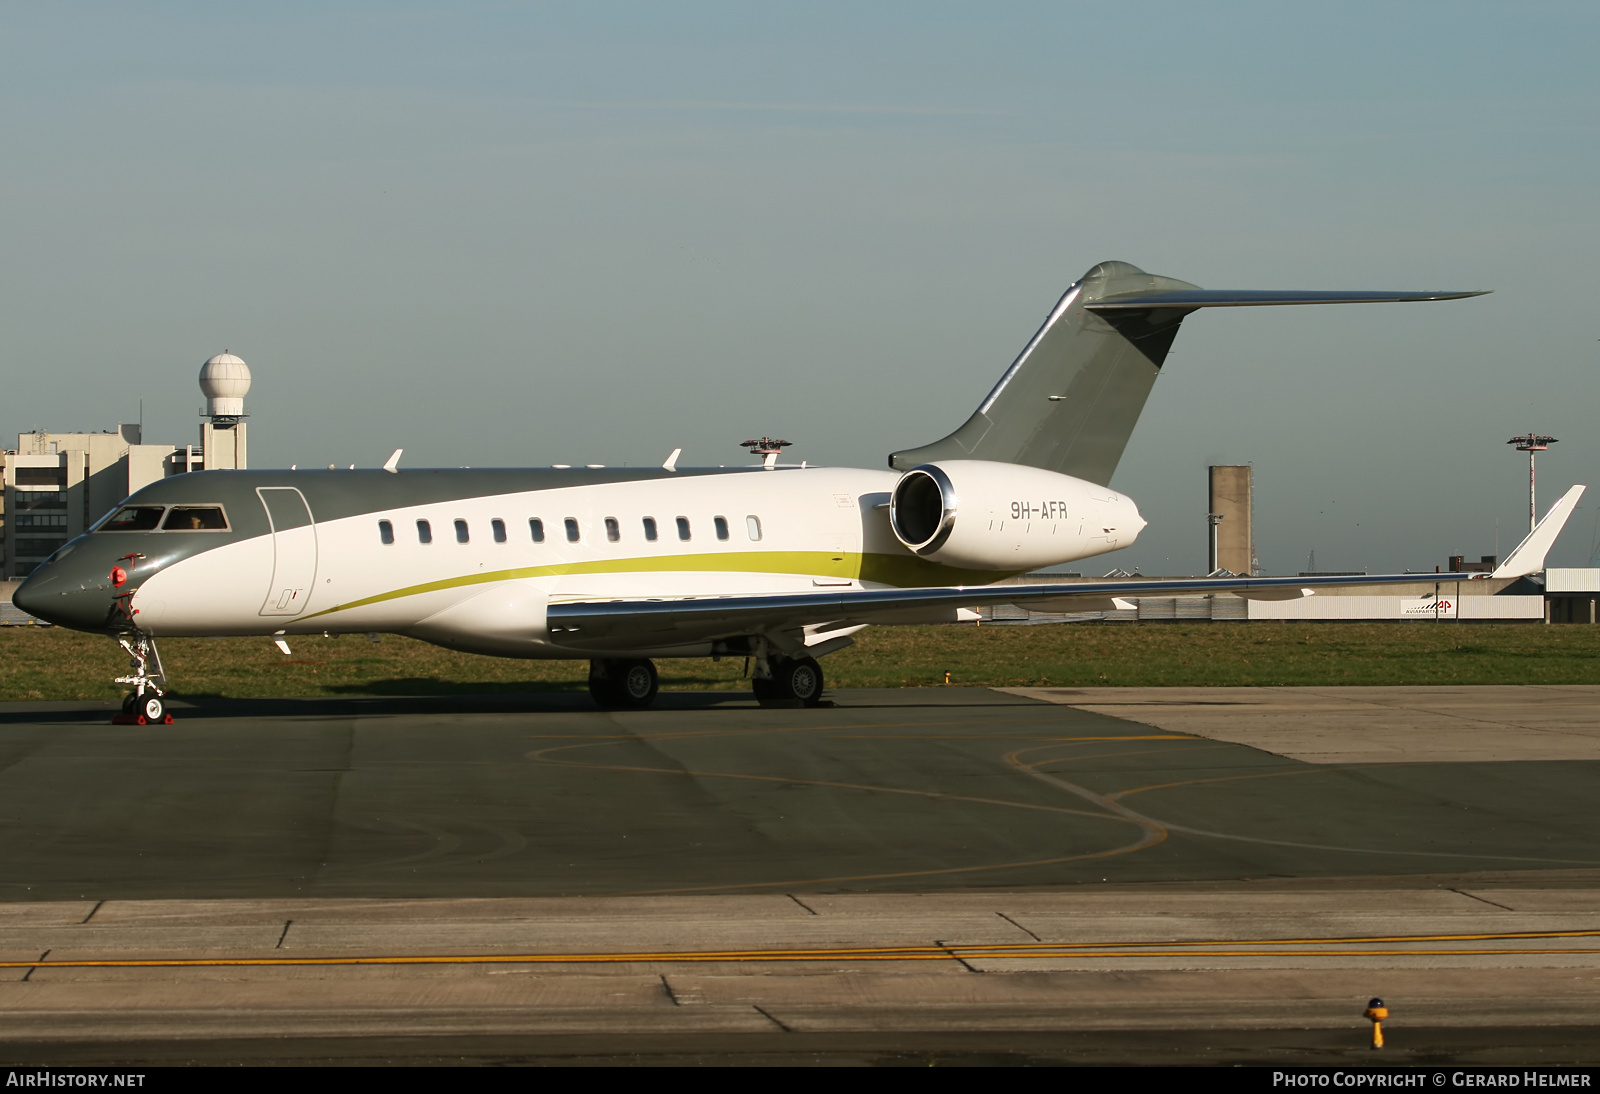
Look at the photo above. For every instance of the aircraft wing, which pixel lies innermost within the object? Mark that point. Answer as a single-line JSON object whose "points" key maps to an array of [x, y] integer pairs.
{"points": [[635, 624]]}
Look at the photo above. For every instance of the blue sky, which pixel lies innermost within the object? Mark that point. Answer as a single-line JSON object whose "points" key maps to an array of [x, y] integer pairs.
{"points": [[506, 234]]}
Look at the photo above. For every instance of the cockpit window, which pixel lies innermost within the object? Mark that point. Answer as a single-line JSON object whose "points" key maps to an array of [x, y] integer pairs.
{"points": [[134, 518], [195, 518]]}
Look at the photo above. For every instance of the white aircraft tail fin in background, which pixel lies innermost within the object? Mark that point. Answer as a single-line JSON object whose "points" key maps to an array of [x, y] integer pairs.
{"points": [[1528, 558]]}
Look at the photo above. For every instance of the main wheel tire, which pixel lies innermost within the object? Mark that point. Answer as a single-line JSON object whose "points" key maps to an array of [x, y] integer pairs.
{"points": [[636, 683], [802, 679], [799, 679], [601, 687], [623, 683]]}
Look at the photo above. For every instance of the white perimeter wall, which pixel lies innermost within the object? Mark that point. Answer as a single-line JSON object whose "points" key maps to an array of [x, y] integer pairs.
{"points": [[1400, 607]]}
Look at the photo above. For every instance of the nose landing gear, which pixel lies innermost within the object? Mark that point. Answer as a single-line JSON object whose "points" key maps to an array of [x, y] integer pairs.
{"points": [[145, 706]]}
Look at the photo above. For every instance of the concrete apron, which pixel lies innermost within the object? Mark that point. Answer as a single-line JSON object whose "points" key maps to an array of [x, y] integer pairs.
{"points": [[1479, 951]]}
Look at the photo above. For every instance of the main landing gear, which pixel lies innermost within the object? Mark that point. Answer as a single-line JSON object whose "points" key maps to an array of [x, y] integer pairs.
{"points": [[629, 683], [145, 706], [623, 683], [789, 681]]}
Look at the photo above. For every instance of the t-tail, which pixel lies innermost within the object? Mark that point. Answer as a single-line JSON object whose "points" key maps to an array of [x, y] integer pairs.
{"points": [[1072, 397]]}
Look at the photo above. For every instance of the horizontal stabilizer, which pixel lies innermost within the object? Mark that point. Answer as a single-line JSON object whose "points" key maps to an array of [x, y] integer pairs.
{"points": [[1256, 298], [1528, 558]]}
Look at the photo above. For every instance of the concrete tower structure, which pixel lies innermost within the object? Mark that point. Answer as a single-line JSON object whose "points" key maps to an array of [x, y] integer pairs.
{"points": [[1230, 499], [224, 381]]}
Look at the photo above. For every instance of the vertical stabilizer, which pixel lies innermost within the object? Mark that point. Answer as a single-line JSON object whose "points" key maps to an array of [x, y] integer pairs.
{"points": [[1072, 397]]}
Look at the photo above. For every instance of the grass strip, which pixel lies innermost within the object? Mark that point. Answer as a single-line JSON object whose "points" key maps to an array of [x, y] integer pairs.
{"points": [[51, 663]]}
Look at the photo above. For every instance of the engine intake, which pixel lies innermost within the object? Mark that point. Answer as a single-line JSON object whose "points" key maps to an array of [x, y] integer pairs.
{"points": [[922, 509]]}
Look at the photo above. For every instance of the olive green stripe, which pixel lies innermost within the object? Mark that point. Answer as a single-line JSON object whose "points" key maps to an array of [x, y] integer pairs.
{"points": [[900, 571]]}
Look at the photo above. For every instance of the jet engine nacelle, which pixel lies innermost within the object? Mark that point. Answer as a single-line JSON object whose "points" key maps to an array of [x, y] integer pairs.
{"points": [[982, 515]]}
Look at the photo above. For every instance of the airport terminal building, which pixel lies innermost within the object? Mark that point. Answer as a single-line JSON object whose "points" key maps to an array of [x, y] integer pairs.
{"points": [[58, 484]]}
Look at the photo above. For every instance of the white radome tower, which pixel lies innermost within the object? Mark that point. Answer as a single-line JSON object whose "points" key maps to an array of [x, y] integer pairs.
{"points": [[224, 381]]}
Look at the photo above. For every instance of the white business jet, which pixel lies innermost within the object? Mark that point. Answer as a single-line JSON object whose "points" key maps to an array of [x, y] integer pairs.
{"points": [[619, 566]]}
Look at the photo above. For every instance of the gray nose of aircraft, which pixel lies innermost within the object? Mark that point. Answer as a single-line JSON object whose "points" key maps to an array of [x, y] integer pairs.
{"points": [[73, 589]]}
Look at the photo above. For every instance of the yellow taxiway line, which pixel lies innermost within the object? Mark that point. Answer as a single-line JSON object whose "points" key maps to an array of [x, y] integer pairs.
{"points": [[1330, 947]]}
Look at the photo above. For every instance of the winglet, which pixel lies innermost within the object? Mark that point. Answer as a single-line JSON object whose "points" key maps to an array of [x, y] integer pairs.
{"points": [[672, 460], [392, 464], [1528, 558]]}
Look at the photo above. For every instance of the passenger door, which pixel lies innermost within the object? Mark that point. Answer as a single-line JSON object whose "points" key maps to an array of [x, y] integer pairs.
{"points": [[294, 550]]}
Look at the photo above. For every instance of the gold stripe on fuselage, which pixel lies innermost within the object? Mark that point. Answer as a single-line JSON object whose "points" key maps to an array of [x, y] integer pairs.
{"points": [[899, 571]]}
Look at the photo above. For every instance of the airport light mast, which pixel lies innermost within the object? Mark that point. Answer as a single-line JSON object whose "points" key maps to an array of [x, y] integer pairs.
{"points": [[1532, 444], [767, 448]]}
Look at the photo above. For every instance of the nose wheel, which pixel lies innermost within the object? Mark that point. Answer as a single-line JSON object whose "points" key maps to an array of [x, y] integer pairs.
{"points": [[147, 705], [147, 711]]}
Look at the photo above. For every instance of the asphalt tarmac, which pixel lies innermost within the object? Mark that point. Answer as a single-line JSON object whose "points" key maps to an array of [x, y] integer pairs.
{"points": [[887, 791], [945, 875]]}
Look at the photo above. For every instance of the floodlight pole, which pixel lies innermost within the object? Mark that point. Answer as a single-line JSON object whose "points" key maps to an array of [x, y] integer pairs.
{"points": [[1213, 519], [1532, 444]]}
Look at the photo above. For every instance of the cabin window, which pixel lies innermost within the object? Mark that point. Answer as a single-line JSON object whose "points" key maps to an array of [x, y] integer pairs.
{"points": [[721, 524], [385, 531], [424, 532], [572, 530], [650, 529], [498, 527], [195, 518], [536, 529], [135, 518], [461, 531], [683, 527], [753, 526], [613, 529]]}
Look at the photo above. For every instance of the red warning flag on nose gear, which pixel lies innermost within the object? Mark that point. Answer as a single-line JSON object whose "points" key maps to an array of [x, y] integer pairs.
{"points": [[119, 576]]}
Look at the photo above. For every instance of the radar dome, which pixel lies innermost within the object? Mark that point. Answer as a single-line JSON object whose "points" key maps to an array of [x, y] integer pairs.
{"points": [[224, 381]]}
